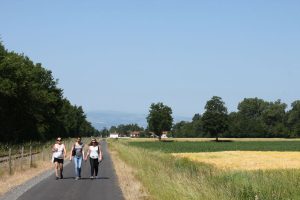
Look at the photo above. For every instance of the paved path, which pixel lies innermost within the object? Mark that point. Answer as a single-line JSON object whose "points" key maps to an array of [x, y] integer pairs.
{"points": [[106, 187]]}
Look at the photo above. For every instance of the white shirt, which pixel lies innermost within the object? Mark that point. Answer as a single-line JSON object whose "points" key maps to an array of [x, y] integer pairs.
{"points": [[94, 152], [60, 151]]}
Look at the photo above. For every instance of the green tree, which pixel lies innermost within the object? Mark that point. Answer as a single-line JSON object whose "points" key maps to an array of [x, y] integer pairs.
{"points": [[113, 129], [159, 119], [250, 117], [274, 119], [215, 118], [29, 98], [104, 132], [294, 119], [32, 107]]}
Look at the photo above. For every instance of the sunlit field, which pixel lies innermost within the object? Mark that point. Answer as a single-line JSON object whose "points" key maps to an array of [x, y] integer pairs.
{"points": [[246, 160], [211, 146], [212, 139], [207, 170]]}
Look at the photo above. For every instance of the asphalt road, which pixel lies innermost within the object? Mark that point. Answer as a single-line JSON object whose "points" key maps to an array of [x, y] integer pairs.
{"points": [[105, 187]]}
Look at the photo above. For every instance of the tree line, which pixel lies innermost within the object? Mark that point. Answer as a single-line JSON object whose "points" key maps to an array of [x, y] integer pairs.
{"points": [[124, 130], [254, 118], [32, 106]]}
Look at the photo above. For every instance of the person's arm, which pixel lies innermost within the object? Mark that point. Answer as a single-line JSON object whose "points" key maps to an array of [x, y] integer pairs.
{"points": [[88, 153], [83, 151], [71, 153], [100, 153], [65, 152], [54, 149]]}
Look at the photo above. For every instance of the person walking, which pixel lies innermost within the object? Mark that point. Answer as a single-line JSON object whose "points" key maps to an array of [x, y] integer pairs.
{"points": [[95, 155], [59, 153], [77, 153]]}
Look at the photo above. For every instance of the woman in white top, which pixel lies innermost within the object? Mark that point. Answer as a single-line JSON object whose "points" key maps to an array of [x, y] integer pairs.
{"points": [[59, 153], [95, 154], [77, 153]]}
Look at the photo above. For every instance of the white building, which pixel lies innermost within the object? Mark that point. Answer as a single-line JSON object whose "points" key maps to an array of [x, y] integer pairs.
{"points": [[114, 135]]}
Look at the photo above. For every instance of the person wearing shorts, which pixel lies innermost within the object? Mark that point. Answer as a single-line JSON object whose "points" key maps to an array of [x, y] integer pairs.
{"points": [[59, 153], [95, 155]]}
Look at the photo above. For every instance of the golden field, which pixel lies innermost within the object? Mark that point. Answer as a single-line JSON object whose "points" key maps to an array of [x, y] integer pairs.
{"points": [[246, 160]]}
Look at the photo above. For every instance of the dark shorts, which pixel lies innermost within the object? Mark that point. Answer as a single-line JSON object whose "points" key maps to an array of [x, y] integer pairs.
{"points": [[58, 160]]}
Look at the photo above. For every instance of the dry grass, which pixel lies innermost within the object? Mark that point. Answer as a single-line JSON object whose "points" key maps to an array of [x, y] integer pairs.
{"points": [[7, 182], [247, 160], [41, 163], [131, 188]]}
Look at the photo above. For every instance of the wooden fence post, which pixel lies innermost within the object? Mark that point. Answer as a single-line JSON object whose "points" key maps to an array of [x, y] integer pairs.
{"points": [[9, 162], [30, 156], [22, 157], [43, 152]]}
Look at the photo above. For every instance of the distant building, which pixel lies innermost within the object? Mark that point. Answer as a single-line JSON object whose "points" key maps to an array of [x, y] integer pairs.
{"points": [[135, 134], [114, 135], [164, 134]]}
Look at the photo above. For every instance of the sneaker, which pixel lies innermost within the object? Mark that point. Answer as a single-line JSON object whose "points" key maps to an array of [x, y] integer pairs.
{"points": [[56, 178], [91, 177], [96, 177], [77, 178]]}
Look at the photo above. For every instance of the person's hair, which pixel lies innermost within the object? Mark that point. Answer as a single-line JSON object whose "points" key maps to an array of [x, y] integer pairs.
{"points": [[91, 143]]}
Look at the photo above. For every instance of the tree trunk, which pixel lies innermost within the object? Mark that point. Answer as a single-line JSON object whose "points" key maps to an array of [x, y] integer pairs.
{"points": [[159, 137], [217, 139]]}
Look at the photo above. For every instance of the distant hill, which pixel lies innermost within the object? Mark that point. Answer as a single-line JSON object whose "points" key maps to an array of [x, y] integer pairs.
{"points": [[106, 119]]}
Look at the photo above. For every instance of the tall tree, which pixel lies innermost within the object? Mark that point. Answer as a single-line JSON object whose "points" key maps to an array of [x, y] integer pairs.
{"points": [[159, 119], [32, 107], [215, 118], [250, 119], [294, 118], [274, 119]]}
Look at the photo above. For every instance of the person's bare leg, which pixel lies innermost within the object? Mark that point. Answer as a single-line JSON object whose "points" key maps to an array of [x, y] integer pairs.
{"points": [[56, 168], [61, 166]]}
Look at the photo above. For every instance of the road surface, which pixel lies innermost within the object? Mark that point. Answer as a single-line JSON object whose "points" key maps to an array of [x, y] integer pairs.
{"points": [[104, 188]]}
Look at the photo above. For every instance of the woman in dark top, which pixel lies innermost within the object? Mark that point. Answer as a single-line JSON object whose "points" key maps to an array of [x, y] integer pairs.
{"points": [[77, 153]]}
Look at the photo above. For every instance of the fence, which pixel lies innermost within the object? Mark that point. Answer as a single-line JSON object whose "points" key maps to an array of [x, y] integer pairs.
{"points": [[18, 158], [25, 158]]}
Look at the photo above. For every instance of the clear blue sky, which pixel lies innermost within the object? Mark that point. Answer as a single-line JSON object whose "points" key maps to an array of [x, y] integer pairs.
{"points": [[124, 55]]}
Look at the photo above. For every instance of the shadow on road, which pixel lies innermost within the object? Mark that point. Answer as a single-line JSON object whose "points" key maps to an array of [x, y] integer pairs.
{"points": [[87, 178]]}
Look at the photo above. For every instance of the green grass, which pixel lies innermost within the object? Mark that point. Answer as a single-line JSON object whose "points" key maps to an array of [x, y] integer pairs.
{"points": [[188, 147], [166, 177]]}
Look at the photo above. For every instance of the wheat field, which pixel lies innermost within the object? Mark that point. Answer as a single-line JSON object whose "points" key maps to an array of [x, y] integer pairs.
{"points": [[246, 160]]}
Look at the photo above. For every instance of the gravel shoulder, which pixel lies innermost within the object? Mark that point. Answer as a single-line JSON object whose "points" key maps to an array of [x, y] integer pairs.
{"points": [[16, 192]]}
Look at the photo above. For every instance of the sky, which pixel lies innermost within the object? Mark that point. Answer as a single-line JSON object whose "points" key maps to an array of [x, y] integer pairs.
{"points": [[124, 55]]}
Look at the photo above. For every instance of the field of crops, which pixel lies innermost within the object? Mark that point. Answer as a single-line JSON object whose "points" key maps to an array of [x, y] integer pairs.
{"points": [[246, 160], [189, 147], [269, 170]]}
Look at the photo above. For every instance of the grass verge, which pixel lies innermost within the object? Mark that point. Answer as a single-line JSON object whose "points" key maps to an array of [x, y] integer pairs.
{"points": [[40, 162], [167, 177], [7, 182], [131, 188]]}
